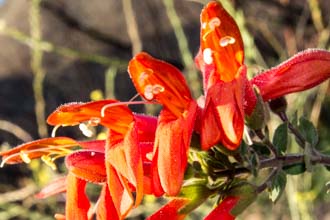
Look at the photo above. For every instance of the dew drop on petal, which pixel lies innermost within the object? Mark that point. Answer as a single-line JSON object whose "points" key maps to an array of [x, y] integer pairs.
{"points": [[214, 22], [156, 89], [225, 41], [25, 157], [207, 56], [92, 153], [148, 92]]}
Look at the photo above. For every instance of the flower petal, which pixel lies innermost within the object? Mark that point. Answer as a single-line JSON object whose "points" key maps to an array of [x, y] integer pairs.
{"points": [[120, 192], [124, 162], [170, 210], [171, 148], [106, 209], [301, 72], [75, 113], [87, 165], [222, 211], [77, 203], [221, 44], [146, 127], [95, 145], [157, 80], [223, 116]]}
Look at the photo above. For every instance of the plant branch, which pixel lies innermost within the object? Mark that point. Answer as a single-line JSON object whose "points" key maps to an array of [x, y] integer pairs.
{"points": [[300, 139], [280, 161], [269, 144], [265, 184], [63, 51]]}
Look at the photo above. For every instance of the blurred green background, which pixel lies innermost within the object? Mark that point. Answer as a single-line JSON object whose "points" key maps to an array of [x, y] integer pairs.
{"points": [[58, 51]]}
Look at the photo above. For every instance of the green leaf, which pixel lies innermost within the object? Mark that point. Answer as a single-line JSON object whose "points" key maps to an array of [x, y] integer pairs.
{"points": [[295, 169], [247, 194], [308, 131], [280, 139], [260, 149], [277, 186], [243, 149], [197, 192]]}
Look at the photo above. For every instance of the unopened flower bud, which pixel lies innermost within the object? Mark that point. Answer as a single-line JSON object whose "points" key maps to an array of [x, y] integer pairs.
{"points": [[258, 117], [278, 105]]}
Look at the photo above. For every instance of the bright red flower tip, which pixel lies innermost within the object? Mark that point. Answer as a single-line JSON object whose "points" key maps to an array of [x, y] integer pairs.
{"points": [[221, 44], [57, 146], [157, 80], [170, 211], [301, 72], [114, 114], [77, 203], [222, 211], [87, 165]]}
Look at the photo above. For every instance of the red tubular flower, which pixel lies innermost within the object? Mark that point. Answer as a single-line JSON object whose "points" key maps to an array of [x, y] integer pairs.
{"points": [[88, 165], [170, 210], [221, 59], [222, 211], [123, 153], [301, 72], [160, 81]]}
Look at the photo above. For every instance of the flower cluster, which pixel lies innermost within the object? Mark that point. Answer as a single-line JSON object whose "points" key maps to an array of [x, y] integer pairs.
{"points": [[149, 155]]}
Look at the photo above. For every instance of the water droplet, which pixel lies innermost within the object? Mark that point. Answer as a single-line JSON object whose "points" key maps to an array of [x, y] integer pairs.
{"points": [[214, 22], [156, 89], [148, 92], [92, 153], [207, 56], [225, 41]]}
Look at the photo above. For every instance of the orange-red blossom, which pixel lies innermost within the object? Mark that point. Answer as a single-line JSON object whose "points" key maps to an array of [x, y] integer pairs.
{"points": [[156, 80], [148, 155], [228, 93]]}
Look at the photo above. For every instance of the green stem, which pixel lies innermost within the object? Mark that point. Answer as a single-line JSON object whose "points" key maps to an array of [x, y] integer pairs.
{"points": [[46, 46], [36, 65], [187, 57]]}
